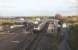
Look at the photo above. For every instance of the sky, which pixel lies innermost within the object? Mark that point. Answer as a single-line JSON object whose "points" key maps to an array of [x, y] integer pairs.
{"points": [[37, 7]]}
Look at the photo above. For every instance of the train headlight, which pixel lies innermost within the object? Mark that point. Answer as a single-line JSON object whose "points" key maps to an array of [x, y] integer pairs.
{"points": [[36, 22], [11, 26]]}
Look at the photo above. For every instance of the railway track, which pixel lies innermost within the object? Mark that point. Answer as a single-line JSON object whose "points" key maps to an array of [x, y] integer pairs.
{"points": [[8, 43], [10, 34], [16, 30], [26, 44], [31, 43]]}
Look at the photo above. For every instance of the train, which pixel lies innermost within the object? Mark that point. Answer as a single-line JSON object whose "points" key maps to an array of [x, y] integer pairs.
{"points": [[39, 26], [36, 26]]}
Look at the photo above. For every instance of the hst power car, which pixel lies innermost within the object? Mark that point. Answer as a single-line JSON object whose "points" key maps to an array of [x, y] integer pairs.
{"points": [[39, 26]]}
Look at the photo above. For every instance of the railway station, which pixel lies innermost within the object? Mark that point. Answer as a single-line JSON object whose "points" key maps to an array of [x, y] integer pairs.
{"points": [[38, 25]]}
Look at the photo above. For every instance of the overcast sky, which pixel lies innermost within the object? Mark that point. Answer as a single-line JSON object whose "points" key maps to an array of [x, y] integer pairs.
{"points": [[37, 7]]}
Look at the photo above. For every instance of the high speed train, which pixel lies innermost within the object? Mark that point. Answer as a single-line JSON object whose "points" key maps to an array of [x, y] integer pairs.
{"points": [[39, 26]]}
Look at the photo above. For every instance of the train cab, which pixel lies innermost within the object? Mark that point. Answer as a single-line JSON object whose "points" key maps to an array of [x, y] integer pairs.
{"points": [[38, 26]]}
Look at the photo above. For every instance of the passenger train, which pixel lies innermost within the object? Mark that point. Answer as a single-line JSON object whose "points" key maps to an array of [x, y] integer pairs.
{"points": [[39, 26]]}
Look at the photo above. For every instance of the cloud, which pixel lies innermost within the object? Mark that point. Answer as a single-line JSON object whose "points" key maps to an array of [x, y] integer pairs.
{"points": [[37, 7]]}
